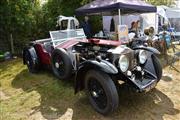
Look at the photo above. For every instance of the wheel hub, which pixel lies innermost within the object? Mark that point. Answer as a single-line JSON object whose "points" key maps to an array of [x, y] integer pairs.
{"points": [[57, 65], [28, 62], [94, 94]]}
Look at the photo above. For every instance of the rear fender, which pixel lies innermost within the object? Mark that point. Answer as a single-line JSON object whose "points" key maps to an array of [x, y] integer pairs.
{"points": [[102, 65], [150, 49], [32, 52]]}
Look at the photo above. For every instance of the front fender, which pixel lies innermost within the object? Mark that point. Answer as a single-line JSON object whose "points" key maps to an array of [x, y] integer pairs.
{"points": [[151, 49], [102, 65]]}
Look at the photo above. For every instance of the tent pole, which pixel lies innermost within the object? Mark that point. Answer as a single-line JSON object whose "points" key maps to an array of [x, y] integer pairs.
{"points": [[119, 11], [156, 24]]}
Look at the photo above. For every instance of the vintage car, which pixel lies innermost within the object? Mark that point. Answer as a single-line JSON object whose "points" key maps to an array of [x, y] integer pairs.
{"points": [[97, 65]]}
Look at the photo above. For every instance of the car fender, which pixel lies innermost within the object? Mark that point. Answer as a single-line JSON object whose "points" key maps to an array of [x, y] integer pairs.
{"points": [[150, 49], [32, 52], [101, 65]]}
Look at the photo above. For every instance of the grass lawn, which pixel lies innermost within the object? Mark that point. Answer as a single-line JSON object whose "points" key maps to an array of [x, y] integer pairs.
{"points": [[26, 96]]}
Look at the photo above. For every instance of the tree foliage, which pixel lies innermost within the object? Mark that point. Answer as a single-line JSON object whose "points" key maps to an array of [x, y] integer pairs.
{"points": [[17, 19], [27, 20], [161, 2]]}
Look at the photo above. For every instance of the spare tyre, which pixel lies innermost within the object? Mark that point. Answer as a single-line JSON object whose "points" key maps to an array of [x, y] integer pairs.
{"points": [[61, 64]]}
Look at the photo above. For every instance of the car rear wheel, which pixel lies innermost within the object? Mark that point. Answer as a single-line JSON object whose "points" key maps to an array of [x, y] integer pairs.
{"points": [[158, 67], [101, 91], [61, 64], [32, 64]]}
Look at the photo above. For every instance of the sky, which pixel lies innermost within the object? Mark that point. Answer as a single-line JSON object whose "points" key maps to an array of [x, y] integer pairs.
{"points": [[43, 1]]}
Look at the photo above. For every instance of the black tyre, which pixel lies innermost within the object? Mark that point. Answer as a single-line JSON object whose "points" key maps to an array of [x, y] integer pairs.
{"points": [[61, 64], [101, 92], [31, 60], [157, 66]]}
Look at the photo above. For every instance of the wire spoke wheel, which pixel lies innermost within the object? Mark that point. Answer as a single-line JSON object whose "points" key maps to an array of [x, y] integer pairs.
{"points": [[28, 60], [97, 93], [59, 64], [101, 91]]}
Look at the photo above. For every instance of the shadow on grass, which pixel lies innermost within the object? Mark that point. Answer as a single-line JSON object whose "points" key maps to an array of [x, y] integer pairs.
{"points": [[53, 103], [167, 60], [172, 65], [57, 96], [140, 106]]}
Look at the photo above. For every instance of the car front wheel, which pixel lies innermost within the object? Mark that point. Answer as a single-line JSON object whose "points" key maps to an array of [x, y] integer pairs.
{"points": [[101, 92]]}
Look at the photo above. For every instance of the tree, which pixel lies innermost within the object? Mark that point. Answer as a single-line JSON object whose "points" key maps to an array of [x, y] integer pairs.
{"points": [[161, 2], [17, 20], [53, 8], [26, 20]]}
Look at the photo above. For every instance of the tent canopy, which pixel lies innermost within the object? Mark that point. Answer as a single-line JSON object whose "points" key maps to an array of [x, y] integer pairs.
{"points": [[126, 6], [167, 12], [161, 11]]}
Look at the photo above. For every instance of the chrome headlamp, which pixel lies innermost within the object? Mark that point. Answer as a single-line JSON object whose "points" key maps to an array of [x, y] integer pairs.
{"points": [[123, 63], [142, 56]]}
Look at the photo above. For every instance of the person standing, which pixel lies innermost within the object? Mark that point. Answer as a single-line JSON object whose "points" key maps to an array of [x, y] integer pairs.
{"points": [[86, 27], [138, 29], [112, 25], [133, 27]]}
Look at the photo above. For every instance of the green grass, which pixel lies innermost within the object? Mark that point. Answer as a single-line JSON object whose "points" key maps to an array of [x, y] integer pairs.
{"points": [[26, 96], [24, 92]]}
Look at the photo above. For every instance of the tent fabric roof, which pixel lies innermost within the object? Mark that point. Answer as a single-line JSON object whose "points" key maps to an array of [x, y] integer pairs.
{"points": [[126, 6], [167, 12]]}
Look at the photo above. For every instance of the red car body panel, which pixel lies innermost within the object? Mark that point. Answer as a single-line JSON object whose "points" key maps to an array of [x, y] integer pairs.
{"points": [[70, 43], [45, 57], [67, 44], [103, 42]]}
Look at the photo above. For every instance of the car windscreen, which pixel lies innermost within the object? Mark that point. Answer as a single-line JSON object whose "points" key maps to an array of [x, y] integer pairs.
{"points": [[64, 35]]}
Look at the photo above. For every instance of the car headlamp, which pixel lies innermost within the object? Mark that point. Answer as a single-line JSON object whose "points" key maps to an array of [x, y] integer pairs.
{"points": [[123, 63], [142, 56]]}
